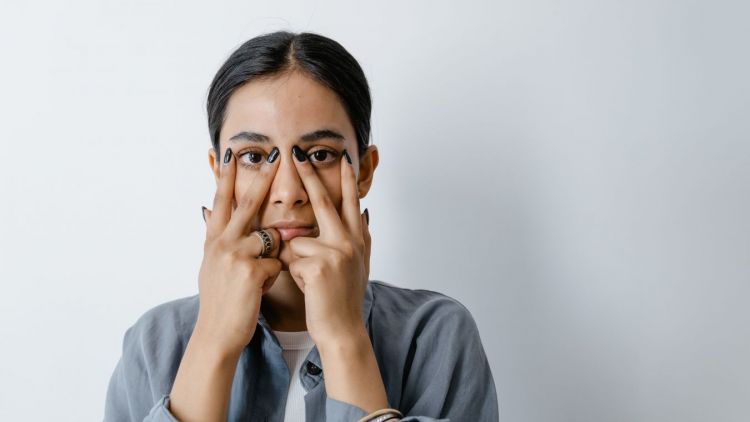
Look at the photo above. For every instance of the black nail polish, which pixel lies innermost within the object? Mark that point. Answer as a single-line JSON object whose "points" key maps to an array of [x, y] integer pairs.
{"points": [[227, 155], [297, 151], [367, 216], [273, 155], [203, 212], [348, 158]]}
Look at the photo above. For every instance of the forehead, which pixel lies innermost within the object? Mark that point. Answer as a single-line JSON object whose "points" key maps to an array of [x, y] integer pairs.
{"points": [[284, 107]]}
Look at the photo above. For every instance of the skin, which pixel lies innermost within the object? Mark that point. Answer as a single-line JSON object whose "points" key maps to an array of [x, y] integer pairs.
{"points": [[314, 283], [283, 108]]}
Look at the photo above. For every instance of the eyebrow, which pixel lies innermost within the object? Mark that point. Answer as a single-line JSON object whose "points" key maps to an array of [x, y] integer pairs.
{"points": [[308, 137]]}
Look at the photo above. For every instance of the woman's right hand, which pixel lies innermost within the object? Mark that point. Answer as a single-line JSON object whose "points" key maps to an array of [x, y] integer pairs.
{"points": [[232, 277]]}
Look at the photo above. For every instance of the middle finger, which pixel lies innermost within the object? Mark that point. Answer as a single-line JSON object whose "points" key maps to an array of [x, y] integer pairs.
{"points": [[252, 199], [323, 207]]}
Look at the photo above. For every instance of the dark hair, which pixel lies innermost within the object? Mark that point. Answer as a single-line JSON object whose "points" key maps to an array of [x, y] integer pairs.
{"points": [[267, 55]]}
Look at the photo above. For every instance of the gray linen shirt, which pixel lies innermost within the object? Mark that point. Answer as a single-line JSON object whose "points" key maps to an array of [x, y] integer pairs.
{"points": [[427, 346]]}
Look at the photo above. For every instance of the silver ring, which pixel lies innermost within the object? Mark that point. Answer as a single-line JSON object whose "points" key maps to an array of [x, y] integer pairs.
{"points": [[267, 240]]}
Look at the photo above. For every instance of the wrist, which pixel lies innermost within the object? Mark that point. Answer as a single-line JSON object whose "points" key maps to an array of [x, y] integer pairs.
{"points": [[352, 372], [212, 345], [349, 344]]}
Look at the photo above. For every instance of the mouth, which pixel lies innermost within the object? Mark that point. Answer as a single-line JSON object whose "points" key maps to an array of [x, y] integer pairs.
{"points": [[289, 233]]}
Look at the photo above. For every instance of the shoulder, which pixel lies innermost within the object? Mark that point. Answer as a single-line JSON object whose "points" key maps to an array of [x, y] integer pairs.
{"points": [[430, 354], [152, 349], [175, 316], [163, 330], [416, 311]]}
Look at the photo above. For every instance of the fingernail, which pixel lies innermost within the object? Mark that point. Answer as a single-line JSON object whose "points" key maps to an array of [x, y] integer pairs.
{"points": [[227, 155], [297, 151], [348, 158], [272, 156], [203, 212], [367, 216]]}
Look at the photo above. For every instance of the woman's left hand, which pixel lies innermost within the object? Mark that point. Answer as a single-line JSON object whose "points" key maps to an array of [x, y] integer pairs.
{"points": [[332, 270]]}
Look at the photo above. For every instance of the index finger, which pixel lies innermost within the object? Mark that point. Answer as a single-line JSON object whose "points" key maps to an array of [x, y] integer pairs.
{"points": [[323, 207], [252, 199]]}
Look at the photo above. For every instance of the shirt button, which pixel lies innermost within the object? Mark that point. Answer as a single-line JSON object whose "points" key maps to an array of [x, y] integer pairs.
{"points": [[313, 369]]}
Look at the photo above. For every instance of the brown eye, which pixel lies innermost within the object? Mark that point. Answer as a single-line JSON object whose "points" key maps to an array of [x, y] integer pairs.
{"points": [[322, 156], [251, 158]]}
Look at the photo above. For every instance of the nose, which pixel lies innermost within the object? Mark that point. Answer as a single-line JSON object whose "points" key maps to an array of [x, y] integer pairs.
{"points": [[287, 189]]}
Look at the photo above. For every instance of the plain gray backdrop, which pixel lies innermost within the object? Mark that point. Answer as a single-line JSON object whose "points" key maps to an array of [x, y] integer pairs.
{"points": [[575, 173]]}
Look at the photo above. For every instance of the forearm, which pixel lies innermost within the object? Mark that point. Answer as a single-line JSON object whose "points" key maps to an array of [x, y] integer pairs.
{"points": [[204, 380], [351, 372]]}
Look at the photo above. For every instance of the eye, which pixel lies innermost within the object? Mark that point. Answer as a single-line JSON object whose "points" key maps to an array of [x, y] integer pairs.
{"points": [[252, 158], [323, 156]]}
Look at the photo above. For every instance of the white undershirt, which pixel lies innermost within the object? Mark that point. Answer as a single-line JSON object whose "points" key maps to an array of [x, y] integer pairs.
{"points": [[296, 345]]}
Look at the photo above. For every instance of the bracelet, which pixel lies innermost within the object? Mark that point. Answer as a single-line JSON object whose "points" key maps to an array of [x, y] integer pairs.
{"points": [[383, 415]]}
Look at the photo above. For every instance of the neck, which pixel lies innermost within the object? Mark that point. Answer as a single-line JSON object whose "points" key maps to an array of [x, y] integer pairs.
{"points": [[283, 305]]}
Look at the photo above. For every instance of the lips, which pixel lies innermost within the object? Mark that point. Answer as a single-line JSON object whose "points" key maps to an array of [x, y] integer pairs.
{"points": [[289, 233], [289, 229]]}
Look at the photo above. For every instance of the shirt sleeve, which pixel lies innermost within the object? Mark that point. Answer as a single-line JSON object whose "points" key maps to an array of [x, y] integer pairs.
{"points": [[342, 411], [448, 376], [130, 395], [339, 411]]}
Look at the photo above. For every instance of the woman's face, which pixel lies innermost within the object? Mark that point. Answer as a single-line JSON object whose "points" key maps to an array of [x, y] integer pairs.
{"points": [[282, 110]]}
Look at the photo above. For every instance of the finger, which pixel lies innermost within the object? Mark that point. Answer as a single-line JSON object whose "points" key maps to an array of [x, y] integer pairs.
{"points": [[252, 199], [367, 239], [306, 246], [252, 244], [270, 281], [296, 269], [222, 207], [323, 207], [271, 268], [350, 197], [206, 214]]}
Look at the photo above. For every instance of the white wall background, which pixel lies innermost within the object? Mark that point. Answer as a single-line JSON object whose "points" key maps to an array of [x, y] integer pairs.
{"points": [[576, 173]]}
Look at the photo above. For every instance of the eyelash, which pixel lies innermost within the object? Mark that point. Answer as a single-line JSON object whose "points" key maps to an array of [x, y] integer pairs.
{"points": [[332, 153]]}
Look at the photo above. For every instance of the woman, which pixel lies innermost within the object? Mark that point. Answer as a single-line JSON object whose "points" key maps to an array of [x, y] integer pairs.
{"points": [[287, 325]]}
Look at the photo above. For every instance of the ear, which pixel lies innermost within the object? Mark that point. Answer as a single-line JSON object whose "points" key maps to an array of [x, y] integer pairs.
{"points": [[213, 164], [367, 166]]}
